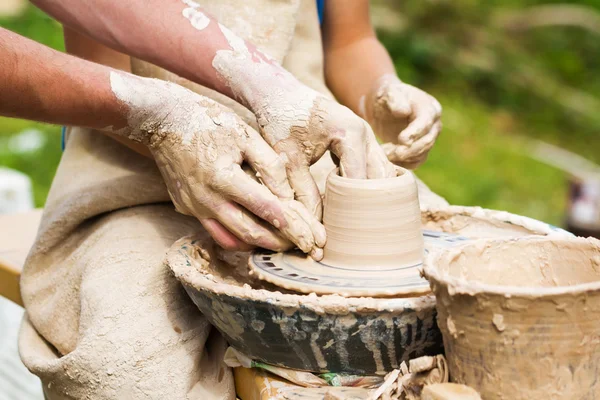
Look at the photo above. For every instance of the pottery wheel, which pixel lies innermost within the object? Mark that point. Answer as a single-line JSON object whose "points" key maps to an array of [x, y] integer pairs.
{"points": [[296, 271]]}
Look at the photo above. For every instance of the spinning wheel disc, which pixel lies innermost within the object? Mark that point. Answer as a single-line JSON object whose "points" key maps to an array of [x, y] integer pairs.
{"points": [[296, 271]]}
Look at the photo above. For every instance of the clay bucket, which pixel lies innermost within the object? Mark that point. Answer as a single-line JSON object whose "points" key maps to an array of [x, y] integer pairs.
{"points": [[372, 224], [520, 318]]}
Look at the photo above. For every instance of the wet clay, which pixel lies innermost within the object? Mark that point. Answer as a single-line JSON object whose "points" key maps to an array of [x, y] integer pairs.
{"points": [[373, 224], [316, 332], [521, 318], [449, 391], [363, 336], [477, 222], [374, 239]]}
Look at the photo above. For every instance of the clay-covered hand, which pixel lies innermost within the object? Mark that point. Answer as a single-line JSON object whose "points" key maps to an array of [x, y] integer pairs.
{"points": [[199, 147], [404, 117], [301, 124]]}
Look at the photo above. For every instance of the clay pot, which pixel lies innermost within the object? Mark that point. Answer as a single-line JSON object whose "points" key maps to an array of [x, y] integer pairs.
{"points": [[372, 224], [521, 318]]}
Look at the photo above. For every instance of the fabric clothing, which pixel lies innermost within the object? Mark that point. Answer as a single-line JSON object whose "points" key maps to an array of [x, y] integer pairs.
{"points": [[321, 9], [129, 330]]}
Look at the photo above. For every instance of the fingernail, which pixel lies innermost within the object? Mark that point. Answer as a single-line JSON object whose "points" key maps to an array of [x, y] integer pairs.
{"points": [[316, 254]]}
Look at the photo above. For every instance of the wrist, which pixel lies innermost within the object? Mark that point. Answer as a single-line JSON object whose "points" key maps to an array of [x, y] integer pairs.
{"points": [[146, 104], [251, 76], [376, 96]]}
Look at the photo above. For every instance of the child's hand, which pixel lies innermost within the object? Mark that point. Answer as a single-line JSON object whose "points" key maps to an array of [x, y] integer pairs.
{"points": [[406, 118]]}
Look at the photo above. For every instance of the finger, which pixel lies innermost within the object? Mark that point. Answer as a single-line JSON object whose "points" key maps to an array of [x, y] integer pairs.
{"points": [[268, 164], [437, 106], [257, 199], [421, 125], [306, 189], [378, 165], [248, 229], [351, 150], [415, 154], [223, 237], [317, 228]]}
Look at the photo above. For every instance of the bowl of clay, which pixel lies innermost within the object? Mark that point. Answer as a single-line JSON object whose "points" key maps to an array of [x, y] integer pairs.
{"points": [[520, 318]]}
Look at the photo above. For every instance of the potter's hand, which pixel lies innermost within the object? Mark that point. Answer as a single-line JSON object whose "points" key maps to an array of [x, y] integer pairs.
{"points": [[406, 118], [301, 124], [199, 146]]}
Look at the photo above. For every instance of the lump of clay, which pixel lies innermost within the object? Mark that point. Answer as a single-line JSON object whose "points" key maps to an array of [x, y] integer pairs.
{"points": [[449, 391]]}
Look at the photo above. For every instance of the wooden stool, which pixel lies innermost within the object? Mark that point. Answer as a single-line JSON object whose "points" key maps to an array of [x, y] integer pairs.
{"points": [[17, 234]]}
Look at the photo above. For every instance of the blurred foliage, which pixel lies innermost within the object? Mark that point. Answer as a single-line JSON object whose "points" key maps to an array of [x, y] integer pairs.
{"points": [[505, 72], [39, 163]]}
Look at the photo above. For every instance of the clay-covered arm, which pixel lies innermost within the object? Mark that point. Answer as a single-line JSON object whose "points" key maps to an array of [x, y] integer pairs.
{"points": [[199, 145], [403, 116], [297, 122], [173, 34]]}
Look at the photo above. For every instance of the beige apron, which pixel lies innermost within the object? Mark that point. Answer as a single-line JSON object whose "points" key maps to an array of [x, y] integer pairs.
{"points": [[105, 319]]}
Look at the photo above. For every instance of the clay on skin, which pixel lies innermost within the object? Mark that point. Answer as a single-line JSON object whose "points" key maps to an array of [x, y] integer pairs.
{"points": [[384, 106], [199, 158], [529, 304], [292, 116], [197, 18]]}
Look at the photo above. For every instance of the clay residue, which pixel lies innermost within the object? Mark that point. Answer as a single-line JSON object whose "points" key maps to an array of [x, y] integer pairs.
{"points": [[528, 262], [198, 262], [527, 309], [476, 222], [192, 13], [449, 391]]}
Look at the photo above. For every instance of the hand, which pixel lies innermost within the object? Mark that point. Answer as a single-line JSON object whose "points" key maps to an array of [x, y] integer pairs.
{"points": [[199, 147], [301, 124], [406, 118]]}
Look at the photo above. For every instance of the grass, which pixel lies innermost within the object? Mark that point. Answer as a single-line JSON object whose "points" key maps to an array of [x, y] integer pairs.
{"points": [[474, 162]]}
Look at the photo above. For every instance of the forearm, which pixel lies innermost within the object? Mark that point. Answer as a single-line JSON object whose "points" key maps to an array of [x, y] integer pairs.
{"points": [[175, 35], [361, 62], [91, 50], [41, 84]]}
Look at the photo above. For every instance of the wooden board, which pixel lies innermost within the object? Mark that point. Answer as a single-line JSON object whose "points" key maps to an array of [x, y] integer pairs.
{"points": [[17, 234]]}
